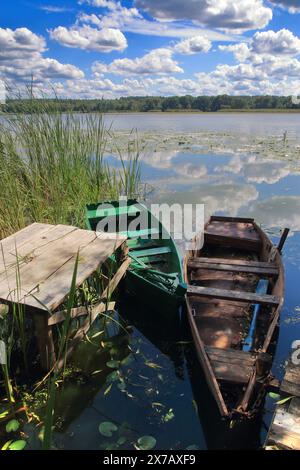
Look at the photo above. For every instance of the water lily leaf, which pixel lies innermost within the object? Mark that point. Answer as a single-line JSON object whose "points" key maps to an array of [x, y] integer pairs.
{"points": [[170, 415], [17, 445], [4, 414], [192, 447], [121, 386], [145, 443], [107, 390], [284, 400], [121, 440], [107, 428], [153, 365], [274, 396], [128, 360], [6, 445], [112, 376], [12, 426], [113, 364]]}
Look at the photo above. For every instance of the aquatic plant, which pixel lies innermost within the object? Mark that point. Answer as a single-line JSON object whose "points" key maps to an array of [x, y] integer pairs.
{"points": [[52, 164]]}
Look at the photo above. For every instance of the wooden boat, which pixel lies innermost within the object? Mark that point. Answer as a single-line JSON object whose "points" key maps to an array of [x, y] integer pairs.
{"points": [[155, 275], [235, 294]]}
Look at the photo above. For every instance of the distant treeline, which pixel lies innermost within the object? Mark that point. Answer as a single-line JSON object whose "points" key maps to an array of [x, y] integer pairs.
{"points": [[153, 103]]}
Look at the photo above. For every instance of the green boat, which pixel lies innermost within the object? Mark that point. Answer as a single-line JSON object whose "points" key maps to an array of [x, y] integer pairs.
{"points": [[155, 275]]}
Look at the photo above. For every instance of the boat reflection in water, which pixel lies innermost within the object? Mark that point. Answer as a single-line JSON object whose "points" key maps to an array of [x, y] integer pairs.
{"points": [[175, 342]]}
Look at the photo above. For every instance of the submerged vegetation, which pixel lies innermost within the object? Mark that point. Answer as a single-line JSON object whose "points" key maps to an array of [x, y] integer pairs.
{"points": [[51, 165]]}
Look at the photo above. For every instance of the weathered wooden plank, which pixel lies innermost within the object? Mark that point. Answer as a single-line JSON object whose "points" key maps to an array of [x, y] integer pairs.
{"points": [[45, 341], [22, 235], [206, 365], [238, 296], [220, 218], [22, 252], [42, 265], [238, 262], [290, 388], [237, 242], [233, 373], [56, 286], [232, 356], [59, 317], [231, 365], [196, 264], [285, 429]]}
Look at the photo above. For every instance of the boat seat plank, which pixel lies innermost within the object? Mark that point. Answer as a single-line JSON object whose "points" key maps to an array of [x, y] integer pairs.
{"points": [[237, 262], [220, 218], [140, 233], [157, 259], [238, 296], [153, 251], [196, 263], [140, 243], [232, 233], [231, 365], [113, 211]]}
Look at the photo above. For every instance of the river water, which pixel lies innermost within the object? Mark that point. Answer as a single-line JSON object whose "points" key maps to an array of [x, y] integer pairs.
{"points": [[165, 395]]}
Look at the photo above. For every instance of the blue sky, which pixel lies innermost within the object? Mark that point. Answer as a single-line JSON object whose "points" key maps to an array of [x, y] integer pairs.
{"points": [[108, 48]]}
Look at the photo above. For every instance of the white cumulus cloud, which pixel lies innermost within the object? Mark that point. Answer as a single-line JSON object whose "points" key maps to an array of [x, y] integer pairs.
{"points": [[193, 45], [293, 6], [239, 15], [91, 39], [21, 56], [158, 61]]}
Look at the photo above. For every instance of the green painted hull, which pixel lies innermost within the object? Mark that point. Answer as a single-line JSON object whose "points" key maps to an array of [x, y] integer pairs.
{"points": [[155, 276]]}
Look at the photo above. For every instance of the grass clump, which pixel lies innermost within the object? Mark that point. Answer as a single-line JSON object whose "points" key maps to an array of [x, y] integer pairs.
{"points": [[52, 164]]}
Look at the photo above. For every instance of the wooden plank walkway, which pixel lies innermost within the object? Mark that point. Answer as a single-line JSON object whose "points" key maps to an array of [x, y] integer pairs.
{"points": [[284, 433], [36, 270], [37, 263]]}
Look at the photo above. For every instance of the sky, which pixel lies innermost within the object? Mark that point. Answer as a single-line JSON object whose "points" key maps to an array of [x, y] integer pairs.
{"points": [[107, 48]]}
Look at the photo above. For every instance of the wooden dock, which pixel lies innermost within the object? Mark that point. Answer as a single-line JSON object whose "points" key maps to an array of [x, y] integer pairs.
{"points": [[284, 433], [36, 270]]}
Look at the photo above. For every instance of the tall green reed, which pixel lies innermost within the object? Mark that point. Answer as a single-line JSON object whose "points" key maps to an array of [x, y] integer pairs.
{"points": [[52, 164]]}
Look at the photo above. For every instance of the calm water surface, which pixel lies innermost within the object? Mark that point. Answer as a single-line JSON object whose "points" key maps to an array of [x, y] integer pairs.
{"points": [[255, 123], [159, 390]]}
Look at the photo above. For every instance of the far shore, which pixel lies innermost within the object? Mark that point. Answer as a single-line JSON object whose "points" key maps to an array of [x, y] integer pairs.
{"points": [[183, 111]]}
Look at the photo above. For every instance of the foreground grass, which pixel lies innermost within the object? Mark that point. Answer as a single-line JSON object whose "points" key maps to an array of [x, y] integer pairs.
{"points": [[51, 165]]}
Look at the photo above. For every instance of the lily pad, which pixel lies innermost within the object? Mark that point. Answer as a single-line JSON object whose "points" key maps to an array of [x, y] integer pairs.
{"points": [[17, 445], [12, 426], [107, 428], [127, 361], [170, 415], [113, 364], [146, 443], [274, 396], [112, 376], [192, 447], [121, 386]]}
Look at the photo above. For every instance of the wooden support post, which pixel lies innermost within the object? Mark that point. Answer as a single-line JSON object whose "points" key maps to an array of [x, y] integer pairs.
{"points": [[45, 341], [263, 364], [283, 239]]}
